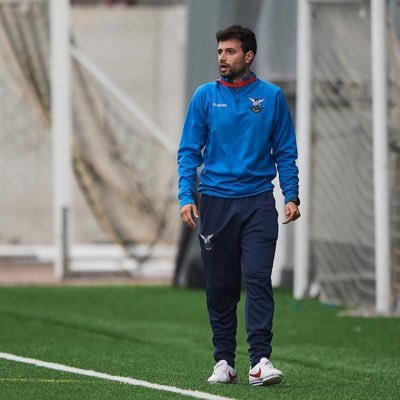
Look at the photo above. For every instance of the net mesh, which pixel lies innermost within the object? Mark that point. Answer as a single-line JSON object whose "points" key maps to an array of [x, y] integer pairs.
{"points": [[25, 157], [125, 175], [342, 227]]}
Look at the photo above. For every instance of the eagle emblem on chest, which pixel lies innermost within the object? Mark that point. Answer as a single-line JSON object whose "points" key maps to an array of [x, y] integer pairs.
{"points": [[255, 105]]}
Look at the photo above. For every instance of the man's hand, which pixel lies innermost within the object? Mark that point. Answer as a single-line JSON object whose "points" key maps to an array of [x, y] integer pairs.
{"points": [[291, 212], [188, 213]]}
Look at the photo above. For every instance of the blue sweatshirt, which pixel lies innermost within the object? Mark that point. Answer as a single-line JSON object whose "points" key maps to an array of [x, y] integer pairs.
{"points": [[240, 135]]}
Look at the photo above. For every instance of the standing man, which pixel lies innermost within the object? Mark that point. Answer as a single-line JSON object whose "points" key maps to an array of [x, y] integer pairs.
{"points": [[240, 128]]}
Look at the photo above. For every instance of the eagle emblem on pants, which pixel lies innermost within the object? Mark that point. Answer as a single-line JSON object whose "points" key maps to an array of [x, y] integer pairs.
{"points": [[207, 242]]}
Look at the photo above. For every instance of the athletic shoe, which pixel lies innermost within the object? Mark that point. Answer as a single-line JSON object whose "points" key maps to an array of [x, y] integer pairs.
{"points": [[223, 373], [264, 373]]}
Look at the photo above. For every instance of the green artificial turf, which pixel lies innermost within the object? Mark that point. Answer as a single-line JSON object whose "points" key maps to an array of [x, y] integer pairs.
{"points": [[162, 335]]}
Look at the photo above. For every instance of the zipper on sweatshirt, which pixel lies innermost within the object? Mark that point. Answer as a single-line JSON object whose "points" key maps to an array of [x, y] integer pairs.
{"points": [[237, 97]]}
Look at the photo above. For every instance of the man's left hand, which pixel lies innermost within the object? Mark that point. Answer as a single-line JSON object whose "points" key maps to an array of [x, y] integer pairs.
{"points": [[291, 212]]}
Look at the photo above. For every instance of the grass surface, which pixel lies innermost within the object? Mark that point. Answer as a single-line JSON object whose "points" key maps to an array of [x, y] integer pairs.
{"points": [[162, 335]]}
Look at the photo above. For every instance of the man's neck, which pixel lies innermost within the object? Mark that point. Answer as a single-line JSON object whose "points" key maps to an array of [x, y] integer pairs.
{"points": [[240, 78]]}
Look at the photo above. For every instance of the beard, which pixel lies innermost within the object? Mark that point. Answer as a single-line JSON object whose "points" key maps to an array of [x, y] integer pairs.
{"points": [[232, 72]]}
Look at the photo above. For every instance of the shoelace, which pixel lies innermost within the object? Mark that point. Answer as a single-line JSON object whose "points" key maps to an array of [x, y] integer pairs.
{"points": [[268, 364]]}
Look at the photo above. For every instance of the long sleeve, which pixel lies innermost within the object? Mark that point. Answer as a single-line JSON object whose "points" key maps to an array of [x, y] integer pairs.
{"points": [[285, 149], [190, 149]]}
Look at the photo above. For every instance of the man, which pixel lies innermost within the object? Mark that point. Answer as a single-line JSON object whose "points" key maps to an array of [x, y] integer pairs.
{"points": [[240, 128]]}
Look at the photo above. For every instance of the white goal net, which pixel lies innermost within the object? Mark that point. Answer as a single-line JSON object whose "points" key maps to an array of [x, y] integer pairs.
{"points": [[124, 189], [342, 192]]}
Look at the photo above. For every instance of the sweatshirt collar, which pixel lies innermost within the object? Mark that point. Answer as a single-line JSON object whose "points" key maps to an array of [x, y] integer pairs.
{"points": [[251, 77]]}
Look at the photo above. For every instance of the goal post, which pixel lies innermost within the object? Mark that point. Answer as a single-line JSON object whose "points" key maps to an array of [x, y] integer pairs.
{"points": [[303, 130], [61, 126], [381, 156]]}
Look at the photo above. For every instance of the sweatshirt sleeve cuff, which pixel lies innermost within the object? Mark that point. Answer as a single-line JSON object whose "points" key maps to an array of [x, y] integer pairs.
{"points": [[186, 200], [291, 196]]}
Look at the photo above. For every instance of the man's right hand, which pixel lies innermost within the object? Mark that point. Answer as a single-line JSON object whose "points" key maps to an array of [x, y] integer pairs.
{"points": [[188, 214]]}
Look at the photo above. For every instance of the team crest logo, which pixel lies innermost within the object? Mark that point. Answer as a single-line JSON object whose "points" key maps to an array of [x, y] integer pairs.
{"points": [[256, 105], [207, 242]]}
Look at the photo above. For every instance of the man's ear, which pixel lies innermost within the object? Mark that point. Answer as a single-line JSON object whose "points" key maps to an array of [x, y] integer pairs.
{"points": [[249, 56]]}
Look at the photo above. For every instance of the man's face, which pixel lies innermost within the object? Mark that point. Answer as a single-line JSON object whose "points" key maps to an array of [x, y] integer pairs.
{"points": [[233, 62]]}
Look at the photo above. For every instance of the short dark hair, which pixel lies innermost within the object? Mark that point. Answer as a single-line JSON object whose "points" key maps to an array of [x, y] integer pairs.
{"points": [[245, 35]]}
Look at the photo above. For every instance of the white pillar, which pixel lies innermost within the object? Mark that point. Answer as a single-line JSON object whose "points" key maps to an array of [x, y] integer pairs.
{"points": [[380, 146], [61, 130], [280, 260], [303, 129]]}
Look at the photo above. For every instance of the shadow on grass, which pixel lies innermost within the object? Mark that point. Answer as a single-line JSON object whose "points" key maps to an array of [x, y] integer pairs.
{"points": [[74, 326]]}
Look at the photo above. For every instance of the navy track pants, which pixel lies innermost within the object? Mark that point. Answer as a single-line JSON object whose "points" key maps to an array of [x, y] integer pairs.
{"points": [[235, 235]]}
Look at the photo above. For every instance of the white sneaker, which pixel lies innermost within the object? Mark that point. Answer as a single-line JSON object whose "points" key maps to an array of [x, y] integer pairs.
{"points": [[223, 373], [264, 373]]}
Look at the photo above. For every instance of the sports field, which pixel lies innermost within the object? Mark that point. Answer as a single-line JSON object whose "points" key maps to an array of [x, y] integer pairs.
{"points": [[161, 335]]}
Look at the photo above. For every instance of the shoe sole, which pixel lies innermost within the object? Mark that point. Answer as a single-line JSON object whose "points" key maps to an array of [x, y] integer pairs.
{"points": [[270, 380], [233, 381]]}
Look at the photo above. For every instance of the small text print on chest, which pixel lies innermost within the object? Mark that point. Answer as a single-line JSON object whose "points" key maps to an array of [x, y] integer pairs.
{"points": [[219, 105]]}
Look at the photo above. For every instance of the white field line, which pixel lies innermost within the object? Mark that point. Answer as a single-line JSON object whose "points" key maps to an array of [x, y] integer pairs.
{"points": [[130, 381]]}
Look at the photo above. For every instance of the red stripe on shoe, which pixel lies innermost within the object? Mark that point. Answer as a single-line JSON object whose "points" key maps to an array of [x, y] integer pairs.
{"points": [[257, 375]]}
